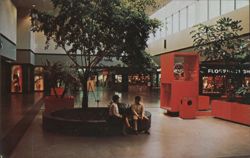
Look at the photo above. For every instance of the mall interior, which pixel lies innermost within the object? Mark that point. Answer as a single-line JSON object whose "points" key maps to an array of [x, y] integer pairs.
{"points": [[189, 117]]}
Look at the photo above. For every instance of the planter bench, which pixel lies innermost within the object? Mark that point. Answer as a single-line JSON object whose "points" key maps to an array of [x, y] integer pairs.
{"points": [[91, 121], [231, 111], [53, 103]]}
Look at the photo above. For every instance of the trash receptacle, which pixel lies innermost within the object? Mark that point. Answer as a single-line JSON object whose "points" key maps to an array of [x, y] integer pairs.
{"points": [[188, 107]]}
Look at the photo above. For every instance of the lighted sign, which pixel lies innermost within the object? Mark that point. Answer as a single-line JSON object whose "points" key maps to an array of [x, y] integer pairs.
{"points": [[222, 71]]}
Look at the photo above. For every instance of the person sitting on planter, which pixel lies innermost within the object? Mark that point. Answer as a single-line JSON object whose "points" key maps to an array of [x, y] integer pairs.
{"points": [[114, 115], [138, 111]]}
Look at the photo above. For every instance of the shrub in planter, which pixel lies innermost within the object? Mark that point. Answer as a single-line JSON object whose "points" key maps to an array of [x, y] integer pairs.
{"points": [[61, 80], [243, 91], [221, 42]]}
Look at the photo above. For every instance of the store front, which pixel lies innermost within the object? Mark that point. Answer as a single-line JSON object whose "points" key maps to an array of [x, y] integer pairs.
{"points": [[38, 79], [139, 79], [213, 76], [16, 79]]}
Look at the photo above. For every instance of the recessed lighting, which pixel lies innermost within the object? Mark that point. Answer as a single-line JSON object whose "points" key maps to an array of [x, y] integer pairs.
{"points": [[33, 5]]}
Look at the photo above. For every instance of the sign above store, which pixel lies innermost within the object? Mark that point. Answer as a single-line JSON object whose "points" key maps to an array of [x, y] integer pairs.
{"points": [[224, 71], [216, 70]]}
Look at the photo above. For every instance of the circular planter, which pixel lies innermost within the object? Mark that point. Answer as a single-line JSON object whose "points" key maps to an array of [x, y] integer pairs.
{"points": [[91, 121]]}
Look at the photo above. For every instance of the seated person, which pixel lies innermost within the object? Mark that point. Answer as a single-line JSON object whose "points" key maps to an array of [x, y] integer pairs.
{"points": [[115, 116], [125, 110], [138, 111]]}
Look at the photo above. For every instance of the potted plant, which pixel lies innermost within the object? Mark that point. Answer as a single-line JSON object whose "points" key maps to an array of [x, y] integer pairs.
{"points": [[245, 93], [61, 81], [221, 42]]}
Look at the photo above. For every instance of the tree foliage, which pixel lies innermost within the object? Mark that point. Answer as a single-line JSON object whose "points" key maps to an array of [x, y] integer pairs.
{"points": [[220, 41], [88, 31]]}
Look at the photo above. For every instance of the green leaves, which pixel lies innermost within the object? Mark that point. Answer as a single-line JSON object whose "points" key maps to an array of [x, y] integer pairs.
{"points": [[88, 31], [58, 72], [96, 28], [220, 41]]}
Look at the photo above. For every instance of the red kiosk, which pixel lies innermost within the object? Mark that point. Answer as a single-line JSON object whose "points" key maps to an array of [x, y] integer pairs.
{"points": [[179, 83]]}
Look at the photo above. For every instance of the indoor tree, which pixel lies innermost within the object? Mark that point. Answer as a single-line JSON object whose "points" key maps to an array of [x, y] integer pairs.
{"points": [[221, 42], [88, 31]]}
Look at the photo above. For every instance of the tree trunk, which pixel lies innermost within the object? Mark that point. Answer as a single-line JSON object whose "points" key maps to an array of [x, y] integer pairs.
{"points": [[85, 94]]}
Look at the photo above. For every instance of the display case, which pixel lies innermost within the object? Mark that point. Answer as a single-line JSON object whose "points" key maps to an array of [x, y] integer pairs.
{"points": [[179, 79], [213, 77]]}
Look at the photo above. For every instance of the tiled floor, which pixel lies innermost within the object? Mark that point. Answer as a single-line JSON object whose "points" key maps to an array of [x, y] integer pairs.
{"points": [[171, 137], [13, 108]]}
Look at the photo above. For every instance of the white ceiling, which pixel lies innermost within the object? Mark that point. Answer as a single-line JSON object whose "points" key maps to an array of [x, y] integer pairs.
{"points": [[47, 5]]}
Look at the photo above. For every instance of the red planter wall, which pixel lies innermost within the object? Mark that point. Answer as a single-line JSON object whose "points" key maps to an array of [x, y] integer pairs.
{"points": [[52, 103], [231, 111], [204, 103]]}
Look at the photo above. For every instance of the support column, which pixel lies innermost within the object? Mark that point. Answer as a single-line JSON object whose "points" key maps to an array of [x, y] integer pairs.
{"points": [[28, 78], [25, 47]]}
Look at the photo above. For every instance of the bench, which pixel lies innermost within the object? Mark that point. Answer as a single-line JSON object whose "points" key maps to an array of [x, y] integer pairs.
{"points": [[91, 121]]}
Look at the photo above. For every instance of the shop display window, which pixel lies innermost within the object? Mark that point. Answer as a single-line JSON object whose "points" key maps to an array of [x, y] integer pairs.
{"points": [[38, 79], [16, 79], [213, 84], [91, 86], [118, 78], [184, 68], [139, 79], [247, 83]]}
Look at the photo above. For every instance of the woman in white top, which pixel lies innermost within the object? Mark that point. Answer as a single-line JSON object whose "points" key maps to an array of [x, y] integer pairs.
{"points": [[114, 114]]}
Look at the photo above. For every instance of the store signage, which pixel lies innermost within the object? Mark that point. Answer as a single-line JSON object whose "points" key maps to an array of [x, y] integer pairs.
{"points": [[242, 71], [224, 71]]}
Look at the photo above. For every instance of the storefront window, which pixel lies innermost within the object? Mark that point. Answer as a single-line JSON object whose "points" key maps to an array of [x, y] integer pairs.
{"points": [[184, 68], [247, 83], [139, 79], [38, 79], [16, 79], [213, 84], [118, 78]]}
